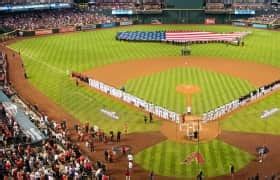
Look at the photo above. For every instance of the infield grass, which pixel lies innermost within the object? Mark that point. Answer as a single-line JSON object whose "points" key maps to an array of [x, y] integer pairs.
{"points": [[166, 159], [215, 89]]}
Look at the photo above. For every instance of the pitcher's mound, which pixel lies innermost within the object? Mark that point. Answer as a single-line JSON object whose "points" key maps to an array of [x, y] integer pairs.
{"points": [[187, 89]]}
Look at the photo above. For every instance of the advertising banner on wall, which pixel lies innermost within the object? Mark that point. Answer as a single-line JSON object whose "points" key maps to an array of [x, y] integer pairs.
{"points": [[43, 32], [67, 29], [88, 27], [126, 23], [108, 25], [239, 24], [210, 21], [261, 26]]}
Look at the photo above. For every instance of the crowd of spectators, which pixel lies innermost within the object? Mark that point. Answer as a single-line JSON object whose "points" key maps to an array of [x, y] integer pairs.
{"points": [[56, 157], [3, 71], [55, 19], [238, 6], [130, 4], [265, 19]]}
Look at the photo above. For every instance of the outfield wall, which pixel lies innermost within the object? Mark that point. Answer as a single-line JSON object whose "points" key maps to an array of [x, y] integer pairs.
{"points": [[187, 16], [173, 16]]}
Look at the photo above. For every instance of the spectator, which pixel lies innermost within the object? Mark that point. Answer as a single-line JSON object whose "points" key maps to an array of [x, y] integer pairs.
{"points": [[151, 175], [130, 157], [55, 19], [127, 174], [130, 166], [119, 136], [232, 170]]}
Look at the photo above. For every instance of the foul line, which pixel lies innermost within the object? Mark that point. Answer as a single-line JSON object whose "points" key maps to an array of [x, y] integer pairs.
{"points": [[55, 69]]}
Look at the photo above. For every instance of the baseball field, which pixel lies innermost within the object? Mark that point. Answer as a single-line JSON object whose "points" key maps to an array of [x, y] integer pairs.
{"points": [[152, 71]]}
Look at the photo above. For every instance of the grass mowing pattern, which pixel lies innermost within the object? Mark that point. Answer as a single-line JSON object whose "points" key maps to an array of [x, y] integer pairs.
{"points": [[216, 89], [47, 59], [84, 103], [248, 119], [165, 158]]}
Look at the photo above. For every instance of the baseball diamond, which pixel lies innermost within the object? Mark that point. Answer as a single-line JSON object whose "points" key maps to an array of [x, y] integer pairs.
{"points": [[140, 89]]}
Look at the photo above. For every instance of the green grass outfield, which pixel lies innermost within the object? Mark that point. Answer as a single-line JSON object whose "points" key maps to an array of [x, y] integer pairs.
{"points": [[165, 158], [48, 59], [215, 89], [249, 118]]}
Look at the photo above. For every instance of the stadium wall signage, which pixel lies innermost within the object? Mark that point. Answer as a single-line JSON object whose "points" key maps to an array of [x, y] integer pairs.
{"points": [[268, 113], [108, 25], [239, 24], [209, 21], [43, 32], [88, 27], [126, 23], [67, 29], [260, 26], [110, 114]]}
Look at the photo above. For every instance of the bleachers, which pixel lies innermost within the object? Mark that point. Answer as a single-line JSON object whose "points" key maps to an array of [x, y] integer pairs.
{"points": [[142, 36]]}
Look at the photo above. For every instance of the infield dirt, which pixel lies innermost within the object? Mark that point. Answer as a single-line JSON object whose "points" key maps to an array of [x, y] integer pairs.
{"points": [[118, 74]]}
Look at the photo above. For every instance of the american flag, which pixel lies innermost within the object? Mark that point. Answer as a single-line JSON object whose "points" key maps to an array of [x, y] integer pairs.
{"points": [[202, 36]]}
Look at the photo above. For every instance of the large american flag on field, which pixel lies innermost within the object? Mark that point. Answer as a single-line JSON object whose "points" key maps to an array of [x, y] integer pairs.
{"points": [[202, 36]]}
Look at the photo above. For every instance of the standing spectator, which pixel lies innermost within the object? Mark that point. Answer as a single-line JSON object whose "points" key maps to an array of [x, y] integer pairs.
{"points": [[257, 177], [130, 157], [125, 129], [151, 117], [151, 175], [127, 174], [87, 144], [145, 119], [130, 166], [112, 136], [92, 146], [87, 127], [232, 170], [110, 156], [119, 136], [123, 150], [106, 153], [200, 176], [76, 127]]}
